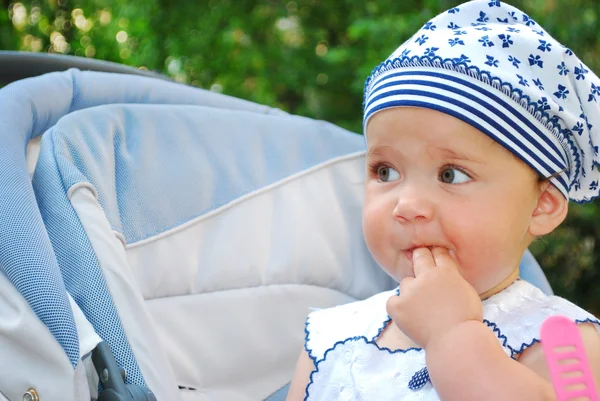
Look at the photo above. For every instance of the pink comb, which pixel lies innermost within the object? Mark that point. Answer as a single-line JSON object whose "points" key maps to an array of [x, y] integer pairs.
{"points": [[567, 361]]}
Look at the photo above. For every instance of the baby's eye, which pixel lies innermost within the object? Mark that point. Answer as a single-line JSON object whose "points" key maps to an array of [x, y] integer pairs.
{"points": [[453, 175], [387, 174]]}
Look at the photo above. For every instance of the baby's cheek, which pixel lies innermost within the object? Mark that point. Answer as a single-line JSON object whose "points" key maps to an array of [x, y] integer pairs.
{"points": [[487, 258], [477, 242], [375, 235], [367, 222]]}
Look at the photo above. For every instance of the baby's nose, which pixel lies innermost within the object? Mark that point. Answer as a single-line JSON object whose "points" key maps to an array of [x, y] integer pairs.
{"points": [[412, 206]]}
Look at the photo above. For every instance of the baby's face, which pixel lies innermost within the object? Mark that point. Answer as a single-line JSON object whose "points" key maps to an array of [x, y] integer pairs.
{"points": [[433, 180]]}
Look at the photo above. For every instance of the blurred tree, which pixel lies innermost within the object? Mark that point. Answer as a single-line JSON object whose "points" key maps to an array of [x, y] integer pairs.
{"points": [[308, 57]]}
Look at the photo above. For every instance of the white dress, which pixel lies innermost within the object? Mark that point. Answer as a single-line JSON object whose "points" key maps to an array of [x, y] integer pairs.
{"points": [[351, 366]]}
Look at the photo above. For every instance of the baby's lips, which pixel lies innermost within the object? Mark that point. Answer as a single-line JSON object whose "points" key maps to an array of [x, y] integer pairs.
{"points": [[452, 253]]}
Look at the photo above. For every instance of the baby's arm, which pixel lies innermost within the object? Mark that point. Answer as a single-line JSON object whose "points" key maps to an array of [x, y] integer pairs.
{"points": [[468, 363], [304, 368], [534, 358]]}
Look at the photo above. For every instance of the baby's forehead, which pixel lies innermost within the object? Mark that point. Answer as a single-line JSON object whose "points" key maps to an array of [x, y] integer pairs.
{"points": [[407, 134], [412, 124], [389, 144], [479, 157]]}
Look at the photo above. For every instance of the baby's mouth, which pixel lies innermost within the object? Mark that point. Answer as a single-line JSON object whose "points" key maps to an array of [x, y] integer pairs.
{"points": [[409, 252]]}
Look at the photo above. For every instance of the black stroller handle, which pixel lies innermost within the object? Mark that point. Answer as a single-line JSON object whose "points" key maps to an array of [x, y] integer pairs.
{"points": [[16, 65], [113, 378]]}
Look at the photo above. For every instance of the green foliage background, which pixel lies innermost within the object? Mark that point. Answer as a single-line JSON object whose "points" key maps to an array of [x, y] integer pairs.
{"points": [[308, 57]]}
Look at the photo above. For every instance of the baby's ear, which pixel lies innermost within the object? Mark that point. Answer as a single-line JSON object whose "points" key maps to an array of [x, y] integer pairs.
{"points": [[551, 210]]}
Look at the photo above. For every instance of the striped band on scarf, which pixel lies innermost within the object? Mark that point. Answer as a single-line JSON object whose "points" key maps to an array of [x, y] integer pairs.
{"points": [[479, 105]]}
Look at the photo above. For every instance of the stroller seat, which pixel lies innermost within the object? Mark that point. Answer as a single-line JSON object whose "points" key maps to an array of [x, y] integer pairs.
{"points": [[190, 231]]}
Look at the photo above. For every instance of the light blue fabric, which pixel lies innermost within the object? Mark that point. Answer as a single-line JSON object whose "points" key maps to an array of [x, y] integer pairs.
{"points": [[279, 395], [78, 263], [27, 109], [156, 167], [532, 272]]}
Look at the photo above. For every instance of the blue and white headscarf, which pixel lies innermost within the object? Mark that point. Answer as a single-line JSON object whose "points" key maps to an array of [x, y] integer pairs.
{"points": [[492, 66]]}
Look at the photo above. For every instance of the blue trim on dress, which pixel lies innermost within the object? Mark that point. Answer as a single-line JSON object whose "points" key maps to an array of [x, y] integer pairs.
{"points": [[307, 334], [386, 321], [356, 338], [373, 341], [306, 339], [514, 352], [524, 346], [500, 336], [385, 324]]}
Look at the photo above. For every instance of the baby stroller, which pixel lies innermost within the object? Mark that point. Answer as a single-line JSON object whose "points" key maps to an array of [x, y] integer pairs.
{"points": [[166, 242]]}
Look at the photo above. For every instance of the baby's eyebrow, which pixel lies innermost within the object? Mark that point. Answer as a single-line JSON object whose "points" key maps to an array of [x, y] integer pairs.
{"points": [[376, 151], [457, 155]]}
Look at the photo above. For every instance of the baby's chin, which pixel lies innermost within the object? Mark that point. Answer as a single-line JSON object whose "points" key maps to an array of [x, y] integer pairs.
{"points": [[401, 270], [406, 276]]}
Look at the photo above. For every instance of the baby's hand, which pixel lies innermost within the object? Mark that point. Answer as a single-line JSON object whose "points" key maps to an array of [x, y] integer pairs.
{"points": [[435, 300]]}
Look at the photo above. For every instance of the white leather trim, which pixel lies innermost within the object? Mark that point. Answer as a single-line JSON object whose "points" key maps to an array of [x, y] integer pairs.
{"points": [[82, 386], [91, 376], [250, 195], [127, 298], [239, 344], [120, 237], [88, 339], [30, 357], [82, 184], [305, 231], [86, 382], [32, 152]]}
